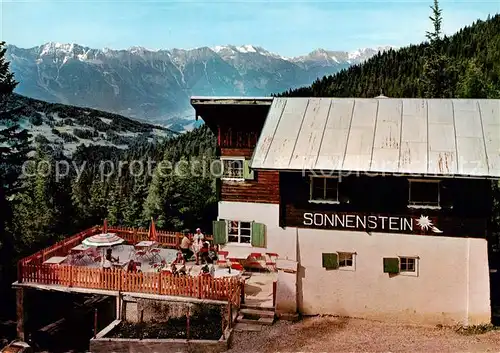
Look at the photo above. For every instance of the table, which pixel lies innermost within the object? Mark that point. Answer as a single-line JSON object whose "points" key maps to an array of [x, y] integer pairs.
{"points": [[55, 260], [223, 272], [145, 244], [80, 248]]}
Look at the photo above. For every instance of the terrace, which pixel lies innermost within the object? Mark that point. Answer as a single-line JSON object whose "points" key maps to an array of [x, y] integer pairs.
{"points": [[53, 269]]}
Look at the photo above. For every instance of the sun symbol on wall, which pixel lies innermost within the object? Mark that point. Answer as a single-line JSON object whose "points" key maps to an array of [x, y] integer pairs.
{"points": [[425, 224]]}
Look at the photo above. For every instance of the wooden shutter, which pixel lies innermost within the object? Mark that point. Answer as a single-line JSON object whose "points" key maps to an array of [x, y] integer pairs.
{"points": [[258, 235], [330, 261], [220, 230], [247, 172], [391, 265]]}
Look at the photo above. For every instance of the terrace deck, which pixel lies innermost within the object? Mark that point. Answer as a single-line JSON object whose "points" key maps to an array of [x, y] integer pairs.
{"points": [[90, 277]]}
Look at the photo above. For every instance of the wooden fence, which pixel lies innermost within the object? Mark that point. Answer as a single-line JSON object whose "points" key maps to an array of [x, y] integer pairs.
{"points": [[118, 280], [31, 269]]}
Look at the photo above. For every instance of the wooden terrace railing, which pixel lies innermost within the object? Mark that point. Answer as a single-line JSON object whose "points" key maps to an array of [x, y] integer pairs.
{"points": [[32, 270], [119, 280]]}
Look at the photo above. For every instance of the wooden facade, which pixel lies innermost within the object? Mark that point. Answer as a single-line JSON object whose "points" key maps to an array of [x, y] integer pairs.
{"points": [[263, 189], [380, 204], [237, 129]]}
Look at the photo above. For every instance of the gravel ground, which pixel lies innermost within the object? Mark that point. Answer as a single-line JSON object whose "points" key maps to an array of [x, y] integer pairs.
{"points": [[328, 334]]}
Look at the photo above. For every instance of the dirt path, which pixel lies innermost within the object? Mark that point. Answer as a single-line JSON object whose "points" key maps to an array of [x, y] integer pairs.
{"points": [[326, 334]]}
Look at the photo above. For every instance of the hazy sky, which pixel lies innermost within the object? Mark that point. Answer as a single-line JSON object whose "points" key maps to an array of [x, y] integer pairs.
{"points": [[286, 27]]}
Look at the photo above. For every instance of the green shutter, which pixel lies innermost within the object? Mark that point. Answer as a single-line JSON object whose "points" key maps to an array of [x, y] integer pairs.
{"points": [[220, 230], [391, 265], [330, 261], [258, 235], [247, 172]]}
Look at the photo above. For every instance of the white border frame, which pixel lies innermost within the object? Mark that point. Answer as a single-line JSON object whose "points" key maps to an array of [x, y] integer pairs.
{"points": [[239, 235], [233, 159], [409, 273], [348, 268]]}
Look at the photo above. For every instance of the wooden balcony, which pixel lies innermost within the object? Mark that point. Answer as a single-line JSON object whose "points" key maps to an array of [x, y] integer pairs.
{"points": [[32, 270]]}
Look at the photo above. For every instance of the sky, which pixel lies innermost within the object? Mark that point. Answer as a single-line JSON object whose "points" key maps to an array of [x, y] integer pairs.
{"points": [[289, 28]]}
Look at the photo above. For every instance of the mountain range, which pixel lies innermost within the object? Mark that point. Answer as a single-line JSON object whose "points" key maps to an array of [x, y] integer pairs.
{"points": [[155, 85]]}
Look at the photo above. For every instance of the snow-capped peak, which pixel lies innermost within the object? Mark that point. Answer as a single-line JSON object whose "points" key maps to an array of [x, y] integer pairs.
{"points": [[139, 49], [247, 49]]}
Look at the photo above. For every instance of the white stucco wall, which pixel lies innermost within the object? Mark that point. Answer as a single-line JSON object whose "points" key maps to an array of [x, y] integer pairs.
{"points": [[451, 284], [280, 241]]}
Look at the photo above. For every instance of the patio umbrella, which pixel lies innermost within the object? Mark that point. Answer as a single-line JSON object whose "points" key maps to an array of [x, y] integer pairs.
{"points": [[103, 240], [152, 231], [105, 228]]}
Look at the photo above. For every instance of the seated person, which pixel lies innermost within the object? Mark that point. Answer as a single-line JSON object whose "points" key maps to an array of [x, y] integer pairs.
{"points": [[179, 258], [186, 247], [131, 267], [203, 253], [109, 259], [205, 271]]}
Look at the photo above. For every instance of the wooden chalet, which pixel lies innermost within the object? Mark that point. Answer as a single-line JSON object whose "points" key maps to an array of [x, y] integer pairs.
{"points": [[377, 208]]}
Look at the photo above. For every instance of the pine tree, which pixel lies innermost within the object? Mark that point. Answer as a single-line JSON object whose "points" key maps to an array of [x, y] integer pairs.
{"points": [[474, 83], [439, 75], [14, 146], [14, 141]]}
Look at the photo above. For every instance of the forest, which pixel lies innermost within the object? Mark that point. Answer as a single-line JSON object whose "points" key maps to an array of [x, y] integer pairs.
{"points": [[465, 65], [39, 207]]}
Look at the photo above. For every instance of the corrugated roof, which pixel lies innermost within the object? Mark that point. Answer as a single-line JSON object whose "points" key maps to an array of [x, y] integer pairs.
{"points": [[416, 136]]}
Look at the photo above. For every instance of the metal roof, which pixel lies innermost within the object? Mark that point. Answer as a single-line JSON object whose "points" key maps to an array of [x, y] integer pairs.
{"points": [[454, 137]]}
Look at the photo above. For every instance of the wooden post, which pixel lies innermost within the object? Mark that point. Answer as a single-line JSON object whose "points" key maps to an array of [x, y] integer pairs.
{"points": [[242, 292], [159, 282], [188, 317], [21, 333], [275, 284], [118, 307], [20, 271], [70, 284], [95, 322], [230, 318], [200, 284]]}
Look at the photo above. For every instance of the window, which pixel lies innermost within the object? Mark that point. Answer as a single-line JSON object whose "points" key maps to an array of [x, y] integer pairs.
{"points": [[239, 232], [407, 264], [346, 259], [402, 265], [233, 169], [338, 260], [324, 190], [424, 193]]}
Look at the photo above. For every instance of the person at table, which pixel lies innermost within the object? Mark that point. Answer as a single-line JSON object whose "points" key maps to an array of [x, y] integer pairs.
{"points": [[186, 247], [132, 266], [204, 253], [179, 259], [198, 243], [109, 259]]}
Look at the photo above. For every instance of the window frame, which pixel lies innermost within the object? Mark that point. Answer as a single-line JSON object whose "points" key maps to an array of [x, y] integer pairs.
{"points": [[429, 206], [228, 158], [239, 233], [323, 201], [406, 272], [350, 267]]}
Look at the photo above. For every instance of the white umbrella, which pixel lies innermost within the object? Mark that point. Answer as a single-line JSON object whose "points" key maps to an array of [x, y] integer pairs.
{"points": [[103, 240]]}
